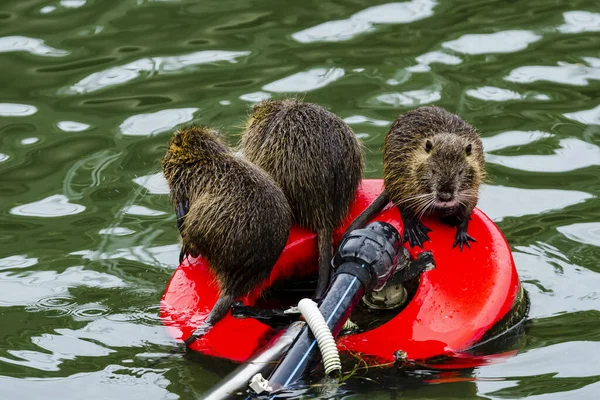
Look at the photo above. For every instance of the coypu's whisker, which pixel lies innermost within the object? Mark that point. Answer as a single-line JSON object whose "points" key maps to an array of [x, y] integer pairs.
{"points": [[424, 149]]}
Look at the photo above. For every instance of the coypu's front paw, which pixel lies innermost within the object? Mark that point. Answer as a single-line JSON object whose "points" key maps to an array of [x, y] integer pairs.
{"points": [[463, 238], [416, 234]]}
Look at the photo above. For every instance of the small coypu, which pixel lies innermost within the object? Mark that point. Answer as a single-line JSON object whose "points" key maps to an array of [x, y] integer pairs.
{"points": [[317, 161], [433, 164], [228, 210]]}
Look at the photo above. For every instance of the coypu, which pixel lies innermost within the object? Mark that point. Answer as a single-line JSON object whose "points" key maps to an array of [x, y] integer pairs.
{"points": [[433, 164], [228, 210], [317, 161]]}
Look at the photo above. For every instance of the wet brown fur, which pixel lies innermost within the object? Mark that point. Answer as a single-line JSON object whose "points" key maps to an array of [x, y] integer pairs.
{"points": [[315, 158], [410, 171], [238, 217], [415, 173]]}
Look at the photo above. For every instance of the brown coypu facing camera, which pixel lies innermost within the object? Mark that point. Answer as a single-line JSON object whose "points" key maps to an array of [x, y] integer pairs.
{"points": [[433, 164], [228, 210], [315, 158]]}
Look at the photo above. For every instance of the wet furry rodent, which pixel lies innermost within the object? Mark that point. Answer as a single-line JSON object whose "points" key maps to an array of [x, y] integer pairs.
{"points": [[315, 158], [228, 210], [433, 164]]}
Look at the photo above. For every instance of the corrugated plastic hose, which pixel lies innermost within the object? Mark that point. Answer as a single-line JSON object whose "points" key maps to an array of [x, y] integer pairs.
{"points": [[329, 352]]}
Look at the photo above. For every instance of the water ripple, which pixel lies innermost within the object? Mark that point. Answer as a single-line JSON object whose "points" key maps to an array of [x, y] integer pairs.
{"points": [[513, 138], [499, 42], [116, 231], [580, 21], [154, 65], [566, 287], [362, 21], [154, 123], [490, 93], [154, 183], [159, 256], [412, 98], [29, 45], [72, 126], [68, 347], [72, 3], [53, 206], [16, 110], [433, 57], [564, 73], [589, 117], [360, 119], [17, 261], [518, 202], [573, 154], [114, 382], [28, 288], [305, 81], [28, 141], [586, 233], [118, 331], [141, 210], [255, 97]]}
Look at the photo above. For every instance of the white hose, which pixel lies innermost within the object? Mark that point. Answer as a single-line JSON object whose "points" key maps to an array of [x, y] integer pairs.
{"points": [[319, 328]]}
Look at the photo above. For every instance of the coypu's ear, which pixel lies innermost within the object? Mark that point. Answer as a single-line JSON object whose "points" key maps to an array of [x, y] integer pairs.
{"points": [[468, 149], [428, 145]]}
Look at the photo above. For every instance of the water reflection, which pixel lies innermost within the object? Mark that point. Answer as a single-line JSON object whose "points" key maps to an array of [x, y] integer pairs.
{"points": [[255, 97], [29, 287], [580, 21], [433, 57], [513, 138], [490, 93], [586, 233], [155, 183], [113, 382], [589, 117], [499, 42], [29, 45], [142, 211], [72, 126], [364, 21], [517, 202], [57, 205], [152, 66], [82, 269], [572, 154], [412, 98], [154, 123], [160, 256], [16, 110], [305, 81], [564, 73]]}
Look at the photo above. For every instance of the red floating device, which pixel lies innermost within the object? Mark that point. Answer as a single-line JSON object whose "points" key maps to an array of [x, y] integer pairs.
{"points": [[468, 295]]}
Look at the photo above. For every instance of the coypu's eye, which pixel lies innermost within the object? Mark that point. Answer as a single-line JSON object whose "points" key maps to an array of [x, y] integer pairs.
{"points": [[428, 146], [468, 149]]}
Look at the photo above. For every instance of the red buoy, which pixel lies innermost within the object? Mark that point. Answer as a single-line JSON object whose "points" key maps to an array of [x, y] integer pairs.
{"points": [[455, 305]]}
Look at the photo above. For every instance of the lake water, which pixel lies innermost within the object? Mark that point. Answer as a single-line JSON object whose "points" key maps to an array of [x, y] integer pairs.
{"points": [[92, 89]]}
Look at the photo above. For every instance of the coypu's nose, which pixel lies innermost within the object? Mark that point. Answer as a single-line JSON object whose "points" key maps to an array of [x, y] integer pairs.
{"points": [[444, 196]]}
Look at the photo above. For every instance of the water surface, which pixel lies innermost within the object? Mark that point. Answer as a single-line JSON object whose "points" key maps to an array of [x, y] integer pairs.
{"points": [[92, 89]]}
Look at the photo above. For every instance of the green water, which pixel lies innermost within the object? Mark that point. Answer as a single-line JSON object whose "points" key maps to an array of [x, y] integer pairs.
{"points": [[91, 90]]}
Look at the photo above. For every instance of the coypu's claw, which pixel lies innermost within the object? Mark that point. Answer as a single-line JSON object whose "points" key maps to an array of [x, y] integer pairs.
{"points": [[416, 234], [198, 333], [463, 238]]}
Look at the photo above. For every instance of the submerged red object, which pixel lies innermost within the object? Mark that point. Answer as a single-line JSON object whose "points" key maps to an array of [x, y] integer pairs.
{"points": [[456, 305]]}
